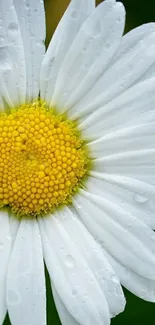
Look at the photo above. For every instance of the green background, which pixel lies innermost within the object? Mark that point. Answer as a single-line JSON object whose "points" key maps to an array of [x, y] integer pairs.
{"points": [[137, 312]]}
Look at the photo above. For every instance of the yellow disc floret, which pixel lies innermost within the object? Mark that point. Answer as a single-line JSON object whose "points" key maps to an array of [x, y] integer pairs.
{"points": [[42, 160]]}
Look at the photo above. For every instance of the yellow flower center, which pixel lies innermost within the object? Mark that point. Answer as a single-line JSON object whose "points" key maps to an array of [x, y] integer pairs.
{"points": [[42, 160]]}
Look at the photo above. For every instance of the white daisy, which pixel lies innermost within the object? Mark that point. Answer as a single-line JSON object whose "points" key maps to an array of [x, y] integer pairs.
{"points": [[77, 163]]}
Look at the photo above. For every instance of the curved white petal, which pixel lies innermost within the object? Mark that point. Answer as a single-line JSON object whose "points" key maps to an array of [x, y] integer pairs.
{"points": [[62, 39], [65, 317], [14, 226], [93, 255], [12, 59], [5, 250], [31, 18], [89, 54], [134, 37], [131, 63], [127, 161], [138, 165], [71, 276], [140, 286], [26, 297], [150, 73], [133, 195], [137, 137], [121, 233], [131, 109]]}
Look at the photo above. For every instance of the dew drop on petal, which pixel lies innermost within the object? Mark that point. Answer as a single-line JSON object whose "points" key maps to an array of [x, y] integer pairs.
{"points": [[13, 27], [5, 57], [97, 29], [13, 297], [114, 278], [2, 38], [27, 6], [74, 292], [140, 198], [74, 14], [1, 245], [79, 206], [119, 19], [9, 237], [70, 262]]}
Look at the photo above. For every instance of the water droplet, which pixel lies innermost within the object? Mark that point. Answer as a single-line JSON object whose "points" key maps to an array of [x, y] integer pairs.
{"points": [[122, 203], [107, 44], [27, 6], [74, 292], [40, 43], [3, 53], [64, 216], [114, 278], [13, 297], [79, 206], [86, 253], [102, 280], [1, 245], [140, 198], [86, 66], [97, 29], [13, 27], [70, 262], [2, 38], [84, 49], [9, 237], [74, 14], [5, 58], [119, 19]]}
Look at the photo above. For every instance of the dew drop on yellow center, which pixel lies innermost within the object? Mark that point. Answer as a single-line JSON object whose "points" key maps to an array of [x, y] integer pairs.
{"points": [[42, 160]]}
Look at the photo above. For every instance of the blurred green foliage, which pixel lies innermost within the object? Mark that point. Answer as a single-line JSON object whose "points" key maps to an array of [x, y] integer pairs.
{"points": [[137, 312]]}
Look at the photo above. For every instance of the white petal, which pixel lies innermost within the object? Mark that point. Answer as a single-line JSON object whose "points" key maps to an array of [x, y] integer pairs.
{"points": [[130, 65], [93, 255], [133, 195], [143, 159], [71, 276], [139, 137], [140, 286], [26, 297], [1, 103], [121, 233], [62, 39], [150, 73], [134, 164], [12, 60], [65, 317], [131, 109], [14, 226], [31, 18], [134, 37], [89, 54], [5, 249]]}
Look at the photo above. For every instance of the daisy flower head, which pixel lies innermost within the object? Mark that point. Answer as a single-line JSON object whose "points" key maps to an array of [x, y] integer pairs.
{"points": [[77, 162]]}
